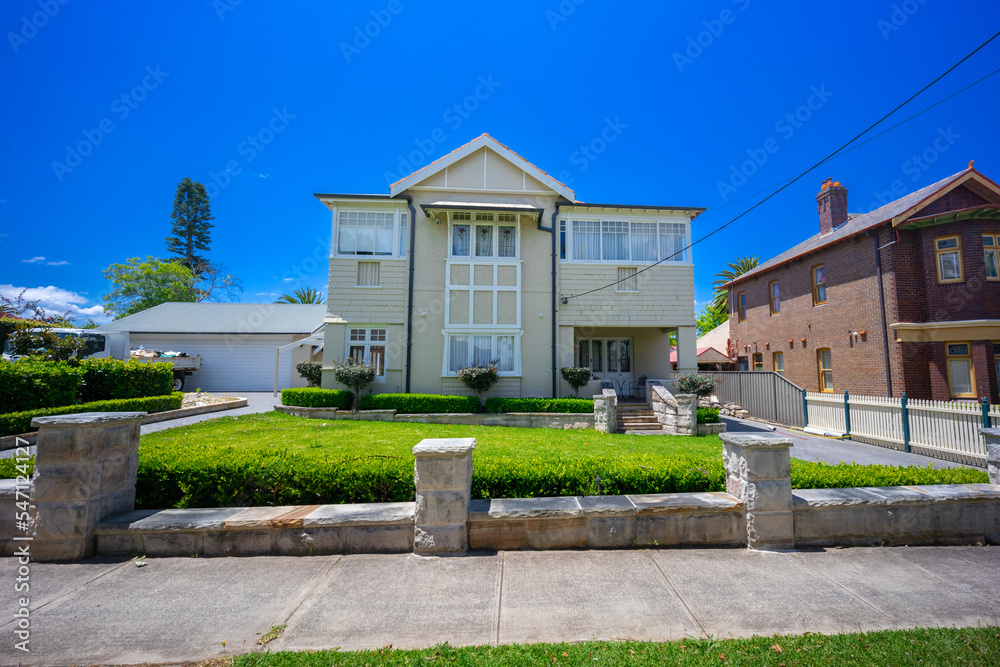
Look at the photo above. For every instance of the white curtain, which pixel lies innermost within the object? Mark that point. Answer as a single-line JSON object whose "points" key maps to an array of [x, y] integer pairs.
{"points": [[459, 353], [482, 351], [586, 239], [507, 241], [484, 240], [460, 240], [644, 242], [402, 234], [672, 241], [505, 350], [614, 239]]}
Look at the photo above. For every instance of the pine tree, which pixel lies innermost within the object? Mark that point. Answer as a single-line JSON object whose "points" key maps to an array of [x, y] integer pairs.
{"points": [[191, 227]]}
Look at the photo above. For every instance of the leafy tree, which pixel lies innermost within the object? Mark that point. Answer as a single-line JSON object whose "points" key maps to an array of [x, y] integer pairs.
{"points": [[311, 371], [479, 378], [577, 377], [143, 283], [720, 300], [305, 295], [191, 227], [711, 317], [355, 374], [31, 340]]}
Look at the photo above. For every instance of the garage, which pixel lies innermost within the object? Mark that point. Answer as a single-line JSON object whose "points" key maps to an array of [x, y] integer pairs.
{"points": [[237, 342]]}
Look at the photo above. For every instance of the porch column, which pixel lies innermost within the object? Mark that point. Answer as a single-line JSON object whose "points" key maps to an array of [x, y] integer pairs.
{"points": [[687, 350]]}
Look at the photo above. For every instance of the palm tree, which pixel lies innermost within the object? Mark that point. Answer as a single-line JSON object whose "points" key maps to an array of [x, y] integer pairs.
{"points": [[736, 269], [305, 295]]}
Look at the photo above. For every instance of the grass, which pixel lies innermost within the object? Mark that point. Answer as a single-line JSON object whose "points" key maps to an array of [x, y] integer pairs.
{"points": [[920, 646]]}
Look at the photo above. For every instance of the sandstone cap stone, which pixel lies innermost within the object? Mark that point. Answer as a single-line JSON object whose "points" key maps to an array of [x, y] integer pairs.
{"points": [[754, 441], [444, 447], [84, 419]]}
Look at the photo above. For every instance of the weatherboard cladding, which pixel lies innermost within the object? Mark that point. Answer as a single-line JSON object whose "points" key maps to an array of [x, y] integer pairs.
{"points": [[223, 318]]}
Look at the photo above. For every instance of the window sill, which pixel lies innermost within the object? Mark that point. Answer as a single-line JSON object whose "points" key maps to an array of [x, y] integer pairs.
{"points": [[369, 258], [817, 305], [951, 282], [499, 375], [628, 291]]}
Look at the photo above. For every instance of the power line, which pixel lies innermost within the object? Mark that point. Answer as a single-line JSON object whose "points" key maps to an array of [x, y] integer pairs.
{"points": [[841, 149]]}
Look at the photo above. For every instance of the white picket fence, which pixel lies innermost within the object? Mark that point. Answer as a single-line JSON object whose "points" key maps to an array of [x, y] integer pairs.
{"points": [[943, 429]]}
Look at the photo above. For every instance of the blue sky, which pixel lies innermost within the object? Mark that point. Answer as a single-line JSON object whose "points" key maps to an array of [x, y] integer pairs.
{"points": [[108, 106]]}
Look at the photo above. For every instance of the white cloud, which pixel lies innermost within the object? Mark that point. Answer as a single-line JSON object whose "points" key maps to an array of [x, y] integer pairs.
{"points": [[56, 301], [263, 175], [267, 294], [33, 260], [61, 262], [288, 280]]}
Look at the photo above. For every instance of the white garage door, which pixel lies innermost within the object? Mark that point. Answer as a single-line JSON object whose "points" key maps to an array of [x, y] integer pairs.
{"points": [[244, 365]]}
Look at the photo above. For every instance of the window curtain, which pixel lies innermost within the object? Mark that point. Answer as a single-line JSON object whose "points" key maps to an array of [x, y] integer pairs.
{"points": [[672, 242], [644, 242], [614, 238], [402, 234], [347, 235], [482, 351], [507, 241], [460, 240], [484, 240], [458, 353], [586, 239], [505, 350]]}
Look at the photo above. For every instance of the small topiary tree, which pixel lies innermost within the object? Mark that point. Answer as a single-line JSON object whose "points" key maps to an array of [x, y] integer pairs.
{"points": [[355, 374], [311, 371], [479, 379], [576, 376], [693, 383]]}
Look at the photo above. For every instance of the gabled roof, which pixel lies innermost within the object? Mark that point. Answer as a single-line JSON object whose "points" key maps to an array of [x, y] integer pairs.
{"points": [[223, 318], [896, 212], [483, 140]]}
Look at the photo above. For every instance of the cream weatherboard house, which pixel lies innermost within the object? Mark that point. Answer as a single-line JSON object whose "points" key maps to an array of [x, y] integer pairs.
{"points": [[482, 257]]}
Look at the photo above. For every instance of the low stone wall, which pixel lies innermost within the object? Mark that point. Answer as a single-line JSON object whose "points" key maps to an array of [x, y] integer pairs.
{"points": [[711, 429], [561, 420], [606, 411], [678, 414]]}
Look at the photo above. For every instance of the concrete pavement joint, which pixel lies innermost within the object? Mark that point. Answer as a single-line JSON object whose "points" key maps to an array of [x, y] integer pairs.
{"points": [[937, 576], [678, 594], [847, 590], [311, 586], [58, 596], [496, 613]]}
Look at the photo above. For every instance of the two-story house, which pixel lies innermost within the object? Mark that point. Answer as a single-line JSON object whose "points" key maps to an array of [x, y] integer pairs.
{"points": [[905, 298], [481, 257]]}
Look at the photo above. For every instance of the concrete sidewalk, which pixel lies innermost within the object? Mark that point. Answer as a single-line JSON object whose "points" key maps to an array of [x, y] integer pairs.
{"points": [[177, 609]]}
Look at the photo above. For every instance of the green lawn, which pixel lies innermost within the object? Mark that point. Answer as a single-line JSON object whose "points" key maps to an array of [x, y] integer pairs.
{"points": [[921, 646], [273, 458]]}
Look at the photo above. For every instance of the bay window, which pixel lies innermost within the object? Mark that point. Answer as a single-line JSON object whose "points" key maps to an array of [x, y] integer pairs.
{"points": [[372, 233], [622, 241], [482, 349]]}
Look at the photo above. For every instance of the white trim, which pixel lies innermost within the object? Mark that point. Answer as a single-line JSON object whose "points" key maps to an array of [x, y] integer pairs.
{"points": [[367, 343], [568, 219], [470, 148], [492, 331], [398, 252]]}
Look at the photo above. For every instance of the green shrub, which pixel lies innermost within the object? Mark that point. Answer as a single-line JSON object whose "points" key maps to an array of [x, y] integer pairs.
{"points": [[479, 378], [105, 379], [576, 405], [692, 383], [708, 415], [8, 468], [315, 397], [30, 383], [406, 404], [814, 475], [20, 422], [354, 374], [577, 377], [311, 371]]}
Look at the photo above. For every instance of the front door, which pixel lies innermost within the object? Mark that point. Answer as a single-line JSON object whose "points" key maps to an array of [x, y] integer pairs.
{"points": [[610, 359]]}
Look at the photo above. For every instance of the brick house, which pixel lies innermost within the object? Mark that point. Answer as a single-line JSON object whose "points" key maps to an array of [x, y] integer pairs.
{"points": [[905, 298]]}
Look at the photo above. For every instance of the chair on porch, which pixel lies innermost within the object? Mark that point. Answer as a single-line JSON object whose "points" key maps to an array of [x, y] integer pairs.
{"points": [[639, 388]]}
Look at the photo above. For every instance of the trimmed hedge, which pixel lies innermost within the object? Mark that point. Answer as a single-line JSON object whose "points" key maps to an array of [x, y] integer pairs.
{"points": [[408, 404], [315, 397], [268, 477], [12, 423], [30, 383], [575, 405], [708, 415], [105, 379], [8, 468]]}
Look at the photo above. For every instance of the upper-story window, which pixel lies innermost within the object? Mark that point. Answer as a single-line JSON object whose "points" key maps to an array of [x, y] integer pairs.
{"points": [[741, 306], [948, 254], [819, 285], [775, 292], [622, 241], [991, 248], [380, 233], [484, 235]]}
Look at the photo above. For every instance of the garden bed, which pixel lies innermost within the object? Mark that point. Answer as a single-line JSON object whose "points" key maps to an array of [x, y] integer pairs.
{"points": [[277, 459]]}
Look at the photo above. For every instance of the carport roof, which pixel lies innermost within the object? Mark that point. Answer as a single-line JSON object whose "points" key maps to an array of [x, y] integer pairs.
{"points": [[223, 318]]}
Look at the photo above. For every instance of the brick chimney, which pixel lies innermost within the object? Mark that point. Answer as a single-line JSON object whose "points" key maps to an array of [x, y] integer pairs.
{"points": [[832, 204]]}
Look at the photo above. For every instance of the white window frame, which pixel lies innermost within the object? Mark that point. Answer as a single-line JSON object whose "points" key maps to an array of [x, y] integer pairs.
{"points": [[472, 288], [493, 332], [566, 227], [991, 246], [368, 343], [400, 233], [495, 223]]}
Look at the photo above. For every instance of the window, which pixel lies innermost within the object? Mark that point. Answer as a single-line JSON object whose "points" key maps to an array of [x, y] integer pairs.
{"points": [[368, 274], [368, 232], [489, 237], [742, 364], [590, 354], [474, 349], [779, 363], [948, 251], [368, 345], [991, 248], [819, 285], [741, 306], [758, 361], [628, 280], [402, 234], [825, 370], [775, 294], [622, 241], [960, 378]]}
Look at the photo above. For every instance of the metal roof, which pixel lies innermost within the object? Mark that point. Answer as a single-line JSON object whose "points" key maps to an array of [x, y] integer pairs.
{"points": [[223, 318], [855, 225]]}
